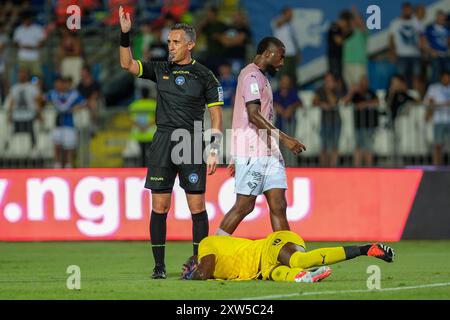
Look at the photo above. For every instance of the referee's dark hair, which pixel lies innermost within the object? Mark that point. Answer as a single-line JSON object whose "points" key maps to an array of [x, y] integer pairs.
{"points": [[188, 29], [265, 43]]}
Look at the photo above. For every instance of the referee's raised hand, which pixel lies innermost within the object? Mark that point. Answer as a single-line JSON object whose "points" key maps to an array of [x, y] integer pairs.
{"points": [[125, 20]]}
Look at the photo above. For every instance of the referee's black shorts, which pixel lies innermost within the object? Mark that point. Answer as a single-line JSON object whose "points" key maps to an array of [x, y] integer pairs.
{"points": [[167, 159]]}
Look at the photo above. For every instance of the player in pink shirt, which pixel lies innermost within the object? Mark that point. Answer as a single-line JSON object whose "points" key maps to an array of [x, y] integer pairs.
{"points": [[257, 165]]}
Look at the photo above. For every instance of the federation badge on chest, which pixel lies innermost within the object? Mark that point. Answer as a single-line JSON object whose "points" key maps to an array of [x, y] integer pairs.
{"points": [[180, 80]]}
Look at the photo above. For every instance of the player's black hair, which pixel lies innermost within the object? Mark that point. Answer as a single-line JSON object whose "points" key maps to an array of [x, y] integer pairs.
{"points": [[188, 29], [265, 43]]}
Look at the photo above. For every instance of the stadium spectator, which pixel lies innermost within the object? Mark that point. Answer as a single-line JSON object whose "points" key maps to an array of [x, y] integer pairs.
{"points": [[29, 39], [69, 55], [157, 50], [327, 99], [143, 115], [10, 13], [213, 29], [337, 33], [398, 102], [438, 39], [3, 62], [355, 51], [229, 82], [285, 102], [404, 42], [142, 41], [128, 5], [438, 100], [365, 103], [176, 8], [66, 101], [283, 29], [397, 97], [91, 90], [141, 49], [236, 37], [167, 22], [420, 13], [24, 105]]}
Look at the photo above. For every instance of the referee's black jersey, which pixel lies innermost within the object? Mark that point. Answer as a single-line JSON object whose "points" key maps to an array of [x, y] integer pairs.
{"points": [[183, 92]]}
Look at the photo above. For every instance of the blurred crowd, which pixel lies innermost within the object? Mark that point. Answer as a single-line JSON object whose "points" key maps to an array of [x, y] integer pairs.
{"points": [[419, 50]]}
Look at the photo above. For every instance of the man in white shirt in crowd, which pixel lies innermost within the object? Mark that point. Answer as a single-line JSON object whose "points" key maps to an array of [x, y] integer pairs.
{"points": [[405, 45], [29, 38], [283, 29], [438, 101], [23, 107]]}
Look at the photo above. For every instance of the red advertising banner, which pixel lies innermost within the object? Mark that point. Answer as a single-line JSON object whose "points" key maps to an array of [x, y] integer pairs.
{"points": [[111, 204]]}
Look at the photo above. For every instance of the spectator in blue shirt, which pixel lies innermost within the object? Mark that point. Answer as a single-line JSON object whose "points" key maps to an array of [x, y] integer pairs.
{"points": [[66, 101], [438, 38], [286, 101], [229, 83]]}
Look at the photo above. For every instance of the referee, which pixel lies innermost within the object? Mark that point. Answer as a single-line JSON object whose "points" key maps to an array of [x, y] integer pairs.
{"points": [[185, 87]]}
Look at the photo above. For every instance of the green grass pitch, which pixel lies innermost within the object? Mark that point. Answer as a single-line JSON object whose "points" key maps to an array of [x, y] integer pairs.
{"points": [[121, 270]]}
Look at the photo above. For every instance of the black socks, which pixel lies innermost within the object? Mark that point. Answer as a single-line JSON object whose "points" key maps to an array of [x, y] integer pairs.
{"points": [[200, 228], [158, 236]]}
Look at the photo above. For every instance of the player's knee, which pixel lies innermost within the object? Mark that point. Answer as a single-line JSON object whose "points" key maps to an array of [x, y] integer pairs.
{"points": [[161, 207], [244, 210], [197, 209], [279, 209]]}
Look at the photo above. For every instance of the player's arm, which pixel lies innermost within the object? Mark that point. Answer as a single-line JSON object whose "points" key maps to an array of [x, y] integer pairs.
{"points": [[126, 57], [205, 269], [214, 101], [255, 117], [216, 137]]}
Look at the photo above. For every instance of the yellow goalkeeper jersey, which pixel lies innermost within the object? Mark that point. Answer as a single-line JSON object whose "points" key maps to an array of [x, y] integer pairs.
{"points": [[236, 258]]}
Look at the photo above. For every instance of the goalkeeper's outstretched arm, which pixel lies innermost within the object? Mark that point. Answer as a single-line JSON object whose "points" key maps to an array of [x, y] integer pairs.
{"points": [[126, 58]]}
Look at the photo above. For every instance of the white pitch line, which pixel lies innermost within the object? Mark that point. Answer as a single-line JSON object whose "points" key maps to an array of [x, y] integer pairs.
{"points": [[279, 296]]}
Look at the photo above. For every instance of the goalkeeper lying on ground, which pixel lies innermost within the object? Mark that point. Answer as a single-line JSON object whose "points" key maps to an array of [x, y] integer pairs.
{"points": [[279, 257]]}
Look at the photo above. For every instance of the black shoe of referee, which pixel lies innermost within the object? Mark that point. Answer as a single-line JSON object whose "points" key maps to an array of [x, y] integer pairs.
{"points": [[159, 272]]}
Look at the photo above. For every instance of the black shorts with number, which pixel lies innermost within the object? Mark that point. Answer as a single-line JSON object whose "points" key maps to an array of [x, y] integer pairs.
{"points": [[184, 157]]}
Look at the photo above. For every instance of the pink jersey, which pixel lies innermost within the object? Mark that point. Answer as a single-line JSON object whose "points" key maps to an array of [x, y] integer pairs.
{"points": [[247, 139]]}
